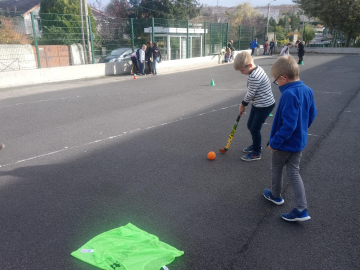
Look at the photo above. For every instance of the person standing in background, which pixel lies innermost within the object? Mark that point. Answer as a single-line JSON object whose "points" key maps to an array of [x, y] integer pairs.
{"points": [[141, 59], [253, 46], [157, 56], [272, 46], [266, 45], [301, 52], [149, 56], [135, 64]]}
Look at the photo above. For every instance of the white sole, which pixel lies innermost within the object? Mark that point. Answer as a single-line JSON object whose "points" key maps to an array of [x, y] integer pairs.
{"points": [[297, 219], [277, 203], [250, 159]]}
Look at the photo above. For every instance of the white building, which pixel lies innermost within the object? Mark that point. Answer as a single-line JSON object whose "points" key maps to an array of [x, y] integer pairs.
{"points": [[20, 9]]}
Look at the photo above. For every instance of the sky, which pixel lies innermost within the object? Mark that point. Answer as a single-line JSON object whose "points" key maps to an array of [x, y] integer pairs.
{"points": [[229, 3]]}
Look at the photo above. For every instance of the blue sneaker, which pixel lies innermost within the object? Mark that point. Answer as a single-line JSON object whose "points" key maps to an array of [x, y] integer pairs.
{"points": [[268, 195], [251, 157], [295, 215], [248, 149]]}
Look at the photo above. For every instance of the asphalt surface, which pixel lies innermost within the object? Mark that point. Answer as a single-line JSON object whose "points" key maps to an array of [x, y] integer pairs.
{"points": [[93, 156]]}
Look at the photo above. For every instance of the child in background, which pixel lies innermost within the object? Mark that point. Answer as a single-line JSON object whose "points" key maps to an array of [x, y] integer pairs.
{"points": [[266, 45], [227, 55], [149, 56], [288, 138], [253, 46], [141, 59], [301, 52], [259, 91], [135, 64], [157, 56], [286, 49], [272, 46]]}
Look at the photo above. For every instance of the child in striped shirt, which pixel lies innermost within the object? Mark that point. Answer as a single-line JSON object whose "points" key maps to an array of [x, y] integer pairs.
{"points": [[259, 91]]}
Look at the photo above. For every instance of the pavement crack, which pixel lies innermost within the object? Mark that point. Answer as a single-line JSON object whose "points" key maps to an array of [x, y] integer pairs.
{"points": [[328, 131], [303, 166]]}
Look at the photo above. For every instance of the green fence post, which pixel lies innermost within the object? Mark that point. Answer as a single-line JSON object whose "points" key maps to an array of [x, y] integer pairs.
{"points": [[152, 30], [35, 39], [253, 33], [227, 34], [204, 38], [239, 36], [132, 34], [91, 40], [210, 37], [187, 40], [265, 36], [222, 36]]}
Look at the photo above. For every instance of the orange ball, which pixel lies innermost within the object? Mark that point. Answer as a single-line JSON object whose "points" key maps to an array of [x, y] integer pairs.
{"points": [[211, 155]]}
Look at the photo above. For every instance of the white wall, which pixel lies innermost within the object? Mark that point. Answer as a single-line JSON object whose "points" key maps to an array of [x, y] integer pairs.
{"points": [[47, 75], [16, 56]]}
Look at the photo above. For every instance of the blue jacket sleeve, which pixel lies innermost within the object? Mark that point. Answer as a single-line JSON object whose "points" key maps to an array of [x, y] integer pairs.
{"points": [[312, 112], [289, 118]]}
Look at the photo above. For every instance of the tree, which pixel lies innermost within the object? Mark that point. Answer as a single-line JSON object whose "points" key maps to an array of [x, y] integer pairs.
{"points": [[246, 15], [114, 27], [282, 22], [168, 9], [118, 8], [8, 34], [272, 25], [295, 22], [61, 22], [338, 15], [186, 9], [309, 33], [280, 33]]}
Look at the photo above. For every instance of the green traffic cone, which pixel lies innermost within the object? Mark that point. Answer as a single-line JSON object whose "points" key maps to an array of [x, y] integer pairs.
{"points": [[270, 114], [302, 63], [212, 83]]}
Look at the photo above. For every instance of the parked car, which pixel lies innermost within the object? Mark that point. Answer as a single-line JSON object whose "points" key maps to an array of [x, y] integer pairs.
{"points": [[117, 55], [326, 42]]}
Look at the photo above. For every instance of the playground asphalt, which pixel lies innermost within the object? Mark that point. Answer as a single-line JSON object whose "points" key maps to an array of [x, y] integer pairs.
{"points": [[93, 155]]}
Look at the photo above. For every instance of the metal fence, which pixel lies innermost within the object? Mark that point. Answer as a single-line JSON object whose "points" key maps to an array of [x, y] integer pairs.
{"points": [[38, 40]]}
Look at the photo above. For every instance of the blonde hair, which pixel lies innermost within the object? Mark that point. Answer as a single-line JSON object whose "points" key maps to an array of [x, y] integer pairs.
{"points": [[228, 50], [285, 66], [242, 60]]}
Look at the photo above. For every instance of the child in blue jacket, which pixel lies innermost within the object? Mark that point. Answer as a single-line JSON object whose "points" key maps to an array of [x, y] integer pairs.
{"points": [[295, 113], [253, 46]]}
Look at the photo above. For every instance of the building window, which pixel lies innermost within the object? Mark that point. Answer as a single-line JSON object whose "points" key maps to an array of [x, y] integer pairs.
{"points": [[39, 25]]}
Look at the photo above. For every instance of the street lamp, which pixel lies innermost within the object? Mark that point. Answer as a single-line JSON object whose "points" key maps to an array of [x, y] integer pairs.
{"points": [[267, 25]]}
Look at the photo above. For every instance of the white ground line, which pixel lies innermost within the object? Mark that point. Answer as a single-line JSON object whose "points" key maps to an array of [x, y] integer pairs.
{"points": [[101, 95], [114, 137]]}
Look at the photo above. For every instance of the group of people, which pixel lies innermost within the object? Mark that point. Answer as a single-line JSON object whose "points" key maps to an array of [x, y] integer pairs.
{"points": [[295, 113], [300, 47], [284, 51], [229, 51], [271, 49], [149, 54]]}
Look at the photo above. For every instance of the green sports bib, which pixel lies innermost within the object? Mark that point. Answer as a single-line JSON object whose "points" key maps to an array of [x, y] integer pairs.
{"points": [[127, 248]]}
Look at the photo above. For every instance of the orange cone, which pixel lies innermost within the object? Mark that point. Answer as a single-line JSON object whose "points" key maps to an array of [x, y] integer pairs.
{"points": [[134, 76]]}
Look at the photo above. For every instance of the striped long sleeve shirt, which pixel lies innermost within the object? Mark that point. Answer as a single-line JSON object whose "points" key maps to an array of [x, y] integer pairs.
{"points": [[259, 89]]}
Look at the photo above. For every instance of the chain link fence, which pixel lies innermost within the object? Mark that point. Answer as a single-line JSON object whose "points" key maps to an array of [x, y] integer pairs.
{"points": [[39, 40]]}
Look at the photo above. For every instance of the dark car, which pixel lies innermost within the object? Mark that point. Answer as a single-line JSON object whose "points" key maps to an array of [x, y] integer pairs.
{"points": [[117, 55]]}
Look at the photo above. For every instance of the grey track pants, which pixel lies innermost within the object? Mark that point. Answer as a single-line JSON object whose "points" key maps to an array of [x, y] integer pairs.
{"points": [[291, 161]]}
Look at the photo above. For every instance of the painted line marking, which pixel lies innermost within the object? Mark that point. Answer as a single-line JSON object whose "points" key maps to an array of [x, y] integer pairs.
{"points": [[115, 136]]}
